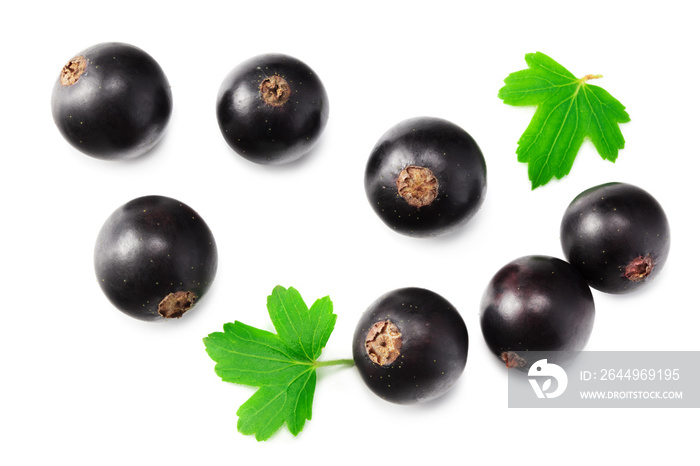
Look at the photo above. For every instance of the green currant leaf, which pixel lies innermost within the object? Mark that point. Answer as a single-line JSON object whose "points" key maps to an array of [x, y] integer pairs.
{"points": [[569, 109], [282, 365]]}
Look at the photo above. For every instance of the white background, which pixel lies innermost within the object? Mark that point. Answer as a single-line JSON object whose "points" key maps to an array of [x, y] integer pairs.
{"points": [[83, 383]]}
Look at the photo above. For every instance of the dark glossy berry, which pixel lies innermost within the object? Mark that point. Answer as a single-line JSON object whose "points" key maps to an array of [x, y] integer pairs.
{"points": [[617, 236], [536, 303], [410, 346], [272, 109], [425, 177], [112, 101], [155, 258]]}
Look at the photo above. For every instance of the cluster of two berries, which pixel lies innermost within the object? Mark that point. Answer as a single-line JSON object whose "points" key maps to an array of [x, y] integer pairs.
{"points": [[113, 102], [615, 238]]}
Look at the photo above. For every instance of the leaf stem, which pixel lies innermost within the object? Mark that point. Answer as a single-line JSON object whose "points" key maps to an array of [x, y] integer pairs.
{"points": [[589, 77], [335, 362]]}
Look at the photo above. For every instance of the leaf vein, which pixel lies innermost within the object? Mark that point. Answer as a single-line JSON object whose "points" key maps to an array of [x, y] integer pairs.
{"points": [[296, 331], [556, 73], [561, 127], [274, 349], [544, 124], [571, 140], [600, 128]]}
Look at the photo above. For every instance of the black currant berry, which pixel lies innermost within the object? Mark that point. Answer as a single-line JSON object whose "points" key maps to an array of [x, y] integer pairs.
{"points": [[410, 346], [617, 236], [155, 257], [112, 101], [425, 177], [272, 109], [536, 303]]}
